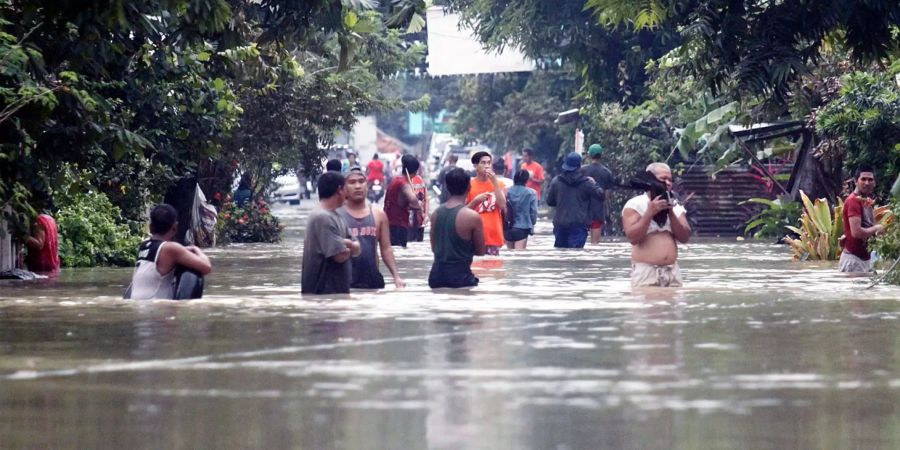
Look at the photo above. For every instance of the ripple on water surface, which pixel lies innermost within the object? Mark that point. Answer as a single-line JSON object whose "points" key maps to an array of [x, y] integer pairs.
{"points": [[551, 340]]}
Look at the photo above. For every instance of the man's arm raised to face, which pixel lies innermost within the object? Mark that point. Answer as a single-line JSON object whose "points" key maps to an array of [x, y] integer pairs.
{"points": [[681, 229]]}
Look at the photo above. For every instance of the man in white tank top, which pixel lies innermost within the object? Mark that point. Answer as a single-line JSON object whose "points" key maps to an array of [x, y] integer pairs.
{"points": [[654, 242], [154, 276]]}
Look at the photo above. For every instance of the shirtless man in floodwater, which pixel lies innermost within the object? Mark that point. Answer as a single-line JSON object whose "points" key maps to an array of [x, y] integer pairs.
{"points": [[654, 245]]}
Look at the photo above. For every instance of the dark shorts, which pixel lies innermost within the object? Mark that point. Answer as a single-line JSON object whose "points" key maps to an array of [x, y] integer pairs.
{"points": [[371, 280], [571, 236], [399, 236], [516, 234], [417, 234], [451, 276]]}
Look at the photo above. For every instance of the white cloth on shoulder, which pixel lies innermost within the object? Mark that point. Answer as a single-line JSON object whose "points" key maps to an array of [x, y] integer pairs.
{"points": [[640, 204]]}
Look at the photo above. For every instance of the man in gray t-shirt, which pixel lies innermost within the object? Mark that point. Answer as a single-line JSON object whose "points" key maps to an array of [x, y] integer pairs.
{"points": [[328, 246]]}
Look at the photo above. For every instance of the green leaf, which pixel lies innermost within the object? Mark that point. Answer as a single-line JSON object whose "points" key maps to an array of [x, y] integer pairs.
{"points": [[218, 84], [203, 56]]}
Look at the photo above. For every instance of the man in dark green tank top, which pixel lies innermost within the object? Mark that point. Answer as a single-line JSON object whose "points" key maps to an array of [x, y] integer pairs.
{"points": [[457, 235]]}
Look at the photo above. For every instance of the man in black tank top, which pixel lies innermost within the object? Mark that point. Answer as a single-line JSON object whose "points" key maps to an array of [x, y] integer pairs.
{"points": [[457, 234], [370, 227]]}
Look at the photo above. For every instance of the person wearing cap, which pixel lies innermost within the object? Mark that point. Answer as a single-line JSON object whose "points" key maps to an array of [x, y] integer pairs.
{"points": [[604, 178], [400, 199], [571, 193], [369, 226], [655, 226], [487, 196]]}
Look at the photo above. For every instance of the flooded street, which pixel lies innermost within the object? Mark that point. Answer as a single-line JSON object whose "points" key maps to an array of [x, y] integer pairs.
{"points": [[552, 350]]}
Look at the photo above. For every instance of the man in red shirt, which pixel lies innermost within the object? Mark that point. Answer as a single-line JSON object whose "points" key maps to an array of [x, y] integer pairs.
{"points": [[375, 170], [400, 200], [859, 224], [535, 171]]}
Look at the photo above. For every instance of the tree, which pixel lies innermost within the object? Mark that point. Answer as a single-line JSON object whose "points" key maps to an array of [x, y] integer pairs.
{"points": [[760, 48]]}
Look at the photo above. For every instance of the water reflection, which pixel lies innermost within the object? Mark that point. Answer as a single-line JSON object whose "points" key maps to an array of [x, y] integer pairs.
{"points": [[552, 350]]}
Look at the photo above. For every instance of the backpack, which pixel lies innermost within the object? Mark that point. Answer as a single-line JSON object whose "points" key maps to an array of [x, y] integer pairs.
{"points": [[509, 215]]}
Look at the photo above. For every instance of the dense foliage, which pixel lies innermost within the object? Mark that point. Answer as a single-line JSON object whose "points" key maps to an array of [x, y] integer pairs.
{"points": [[863, 123], [91, 233], [252, 222], [149, 93]]}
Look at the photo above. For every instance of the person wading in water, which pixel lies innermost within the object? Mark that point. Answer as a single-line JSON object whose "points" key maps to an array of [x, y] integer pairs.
{"points": [[154, 276], [369, 226], [328, 246], [457, 236], [399, 200], [654, 226]]}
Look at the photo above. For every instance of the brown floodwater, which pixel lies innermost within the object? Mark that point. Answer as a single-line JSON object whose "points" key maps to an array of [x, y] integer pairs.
{"points": [[552, 350]]}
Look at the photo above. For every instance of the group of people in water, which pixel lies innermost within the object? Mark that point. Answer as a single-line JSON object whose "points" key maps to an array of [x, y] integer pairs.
{"points": [[479, 213], [346, 233]]}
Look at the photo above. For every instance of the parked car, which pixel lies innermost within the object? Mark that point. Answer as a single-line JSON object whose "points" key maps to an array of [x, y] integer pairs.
{"points": [[287, 189]]}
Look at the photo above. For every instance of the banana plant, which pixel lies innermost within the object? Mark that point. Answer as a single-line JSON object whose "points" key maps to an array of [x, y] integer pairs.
{"points": [[820, 232]]}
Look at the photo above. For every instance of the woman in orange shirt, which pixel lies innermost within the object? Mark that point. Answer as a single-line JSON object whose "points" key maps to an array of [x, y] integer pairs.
{"points": [[487, 196]]}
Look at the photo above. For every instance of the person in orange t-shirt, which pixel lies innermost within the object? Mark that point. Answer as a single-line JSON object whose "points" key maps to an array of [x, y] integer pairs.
{"points": [[487, 196], [535, 171]]}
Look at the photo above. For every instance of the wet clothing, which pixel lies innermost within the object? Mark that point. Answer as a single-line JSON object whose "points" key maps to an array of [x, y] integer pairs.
{"points": [[570, 236], [453, 255], [325, 234], [537, 173], [856, 207], [399, 235], [604, 179], [366, 274], [640, 204], [571, 193], [146, 281], [650, 275], [397, 213], [490, 213], [516, 234], [525, 206], [46, 259], [854, 264]]}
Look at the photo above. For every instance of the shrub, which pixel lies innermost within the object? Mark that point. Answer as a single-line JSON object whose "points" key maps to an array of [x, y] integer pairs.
{"points": [[92, 233], [250, 223], [774, 219]]}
